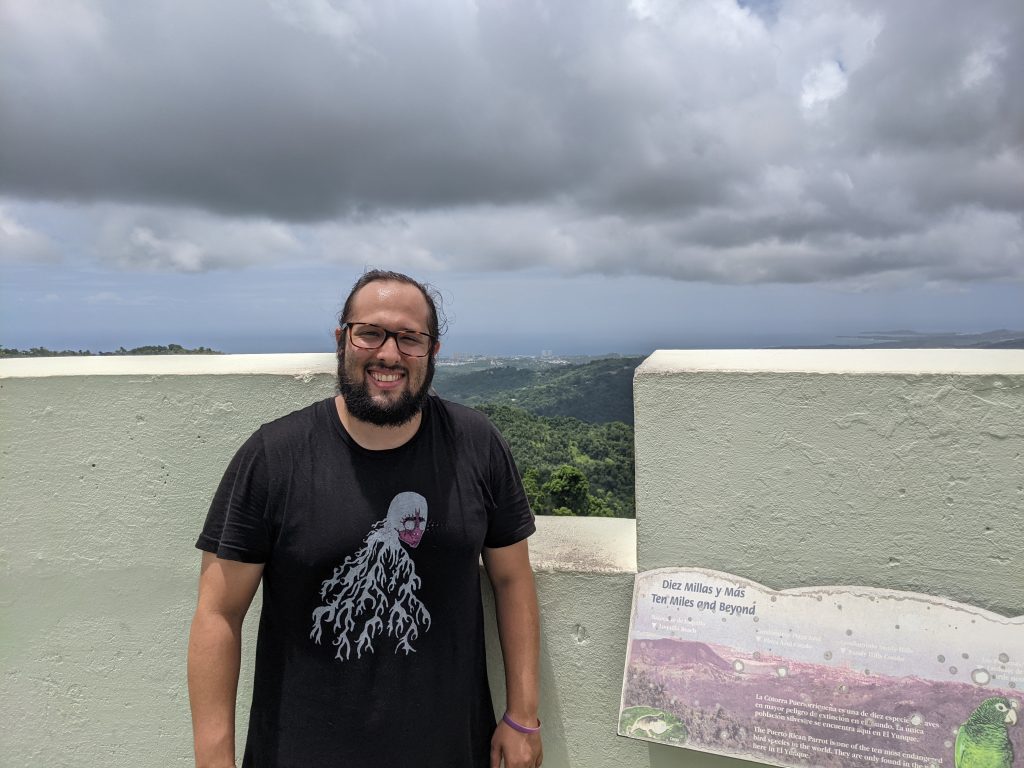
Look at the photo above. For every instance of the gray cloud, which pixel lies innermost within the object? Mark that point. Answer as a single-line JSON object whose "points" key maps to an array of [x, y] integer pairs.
{"points": [[19, 243], [188, 241], [782, 142]]}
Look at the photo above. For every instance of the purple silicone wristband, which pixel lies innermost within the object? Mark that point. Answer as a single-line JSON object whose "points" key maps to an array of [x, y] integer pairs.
{"points": [[516, 726]]}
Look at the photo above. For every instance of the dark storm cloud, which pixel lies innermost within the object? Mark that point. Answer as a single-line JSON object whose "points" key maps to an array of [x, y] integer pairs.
{"points": [[754, 142], [253, 108]]}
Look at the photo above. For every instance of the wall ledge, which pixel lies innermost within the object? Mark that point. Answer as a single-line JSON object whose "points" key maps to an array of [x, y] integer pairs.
{"points": [[304, 364], [584, 545], [979, 362], [969, 362], [561, 544]]}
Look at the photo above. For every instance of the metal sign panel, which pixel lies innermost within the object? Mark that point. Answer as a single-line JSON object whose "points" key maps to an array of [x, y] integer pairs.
{"points": [[821, 676]]}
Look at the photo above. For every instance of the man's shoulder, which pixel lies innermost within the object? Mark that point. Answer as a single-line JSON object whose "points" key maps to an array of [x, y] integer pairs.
{"points": [[456, 410], [296, 423], [461, 416]]}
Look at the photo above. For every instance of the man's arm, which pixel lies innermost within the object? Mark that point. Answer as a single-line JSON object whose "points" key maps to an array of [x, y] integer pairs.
{"points": [[226, 589], [515, 599]]}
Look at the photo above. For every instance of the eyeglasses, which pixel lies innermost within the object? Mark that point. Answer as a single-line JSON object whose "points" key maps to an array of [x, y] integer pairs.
{"points": [[370, 336]]}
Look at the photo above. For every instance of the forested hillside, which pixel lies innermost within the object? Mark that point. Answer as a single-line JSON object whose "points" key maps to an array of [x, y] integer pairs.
{"points": [[597, 391], [170, 349], [569, 428], [570, 467]]}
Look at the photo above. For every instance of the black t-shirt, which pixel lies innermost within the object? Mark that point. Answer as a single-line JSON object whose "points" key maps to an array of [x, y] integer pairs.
{"points": [[370, 649]]}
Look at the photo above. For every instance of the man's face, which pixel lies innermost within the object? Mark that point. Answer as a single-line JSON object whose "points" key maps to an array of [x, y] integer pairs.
{"points": [[382, 386]]}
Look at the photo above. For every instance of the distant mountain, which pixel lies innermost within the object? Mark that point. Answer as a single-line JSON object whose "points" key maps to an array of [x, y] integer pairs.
{"points": [[1006, 344], [156, 349], [674, 653], [599, 391], [999, 339]]}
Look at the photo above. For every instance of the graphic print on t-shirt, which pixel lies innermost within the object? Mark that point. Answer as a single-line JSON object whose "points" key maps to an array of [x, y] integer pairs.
{"points": [[374, 590]]}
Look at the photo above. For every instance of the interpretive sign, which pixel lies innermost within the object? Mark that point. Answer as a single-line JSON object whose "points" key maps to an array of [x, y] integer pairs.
{"points": [[821, 676]]}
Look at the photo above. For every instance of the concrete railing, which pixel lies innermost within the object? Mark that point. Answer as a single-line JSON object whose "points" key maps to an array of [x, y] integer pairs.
{"points": [[900, 469], [108, 467]]}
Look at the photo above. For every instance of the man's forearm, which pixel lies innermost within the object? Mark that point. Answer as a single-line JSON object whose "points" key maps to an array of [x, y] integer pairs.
{"points": [[214, 657], [519, 632]]}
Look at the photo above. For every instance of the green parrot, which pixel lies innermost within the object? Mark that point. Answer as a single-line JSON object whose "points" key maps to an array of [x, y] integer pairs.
{"points": [[983, 741]]}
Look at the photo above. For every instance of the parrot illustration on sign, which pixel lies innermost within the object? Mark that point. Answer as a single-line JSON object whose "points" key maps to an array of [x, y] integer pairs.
{"points": [[652, 724], [984, 740], [374, 590]]}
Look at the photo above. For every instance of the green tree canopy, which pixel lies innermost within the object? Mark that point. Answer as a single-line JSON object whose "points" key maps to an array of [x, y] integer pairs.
{"points": [[568, 487], [601, 453]]}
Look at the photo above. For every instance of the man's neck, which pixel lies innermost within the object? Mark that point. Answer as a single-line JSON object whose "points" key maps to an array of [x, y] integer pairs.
{"points": [[373, 437]]}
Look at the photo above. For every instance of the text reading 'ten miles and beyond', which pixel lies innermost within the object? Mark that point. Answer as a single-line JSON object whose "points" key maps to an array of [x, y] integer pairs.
{"points": [[710, 602]]}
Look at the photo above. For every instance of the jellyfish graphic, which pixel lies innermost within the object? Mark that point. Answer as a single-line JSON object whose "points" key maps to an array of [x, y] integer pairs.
{"points": [[374, 590]]}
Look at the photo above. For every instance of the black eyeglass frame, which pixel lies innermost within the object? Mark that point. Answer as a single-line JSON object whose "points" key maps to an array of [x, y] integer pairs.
{"points": [[388, 335]]}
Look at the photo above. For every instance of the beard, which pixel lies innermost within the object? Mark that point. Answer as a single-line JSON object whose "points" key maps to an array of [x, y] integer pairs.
{"points": [[361, 405]]}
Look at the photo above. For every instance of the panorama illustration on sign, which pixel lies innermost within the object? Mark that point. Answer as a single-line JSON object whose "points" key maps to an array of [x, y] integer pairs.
{"points": [[821, 676]]}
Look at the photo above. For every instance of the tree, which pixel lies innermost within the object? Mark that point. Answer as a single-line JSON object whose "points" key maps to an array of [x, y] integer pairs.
{"points": [[532, 486], [599, 506], [568, 487]]}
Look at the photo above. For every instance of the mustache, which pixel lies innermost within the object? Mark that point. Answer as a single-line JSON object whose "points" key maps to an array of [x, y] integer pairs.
{"points": [[382, 367]]}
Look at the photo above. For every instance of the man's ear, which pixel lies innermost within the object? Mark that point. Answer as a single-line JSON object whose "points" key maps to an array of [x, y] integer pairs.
{"points": [[337, 336], [437, 348]]}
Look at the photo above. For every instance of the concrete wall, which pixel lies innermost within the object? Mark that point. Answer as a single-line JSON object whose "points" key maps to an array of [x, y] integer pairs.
{"points": [[901, 469], [107, 467]]}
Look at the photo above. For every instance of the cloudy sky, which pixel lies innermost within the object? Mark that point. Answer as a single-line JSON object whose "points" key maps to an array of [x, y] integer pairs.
{"points": [[582, 175]]}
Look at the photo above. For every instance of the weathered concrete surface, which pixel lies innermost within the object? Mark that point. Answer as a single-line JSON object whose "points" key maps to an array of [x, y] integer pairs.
{"points": [[584, 572], [826, 470], [901, 469], [585, 620], [106, 479]]}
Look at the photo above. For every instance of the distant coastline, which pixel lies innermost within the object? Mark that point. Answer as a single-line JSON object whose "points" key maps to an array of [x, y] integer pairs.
{"points": [[896, 339], [169, 349], [1000, 339]]}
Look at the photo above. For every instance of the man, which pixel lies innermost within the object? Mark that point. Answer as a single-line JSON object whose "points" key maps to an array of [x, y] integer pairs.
{"points": [[365, 515]]}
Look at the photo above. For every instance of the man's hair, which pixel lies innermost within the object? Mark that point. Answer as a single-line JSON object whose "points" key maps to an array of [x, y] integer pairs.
{"points": [[436, 322]]}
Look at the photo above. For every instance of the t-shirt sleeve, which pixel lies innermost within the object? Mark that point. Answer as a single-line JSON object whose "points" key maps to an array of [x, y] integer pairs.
{"points": [[511, 519], [237, 526]]}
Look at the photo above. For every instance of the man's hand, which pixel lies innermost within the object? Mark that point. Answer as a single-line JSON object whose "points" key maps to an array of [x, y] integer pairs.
{"points": [[518, 750]]}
